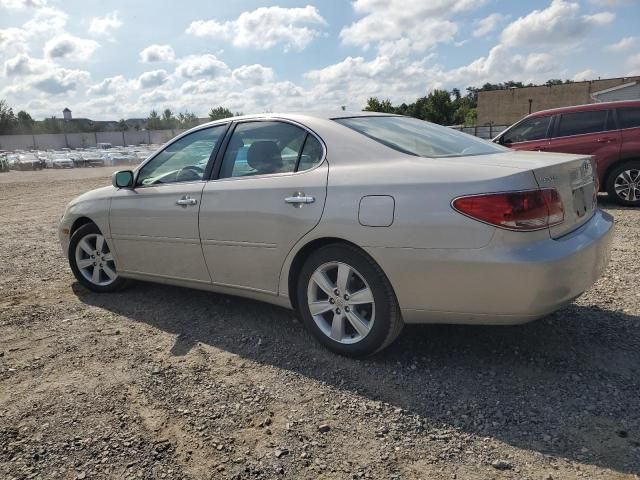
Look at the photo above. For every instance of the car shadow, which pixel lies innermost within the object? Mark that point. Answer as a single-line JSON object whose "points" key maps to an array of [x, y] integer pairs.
{"points": [[566, 385]]}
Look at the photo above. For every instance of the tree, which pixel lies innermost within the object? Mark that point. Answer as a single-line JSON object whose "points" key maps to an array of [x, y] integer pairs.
{"points": [[122, 126], [7, 118], [219, 113], [168, 120], [375, 105], [153, 121], [187, 119]]}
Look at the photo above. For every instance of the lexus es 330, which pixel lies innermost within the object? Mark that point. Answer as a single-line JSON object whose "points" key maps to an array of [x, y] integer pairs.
{"points": [[360, 222]]}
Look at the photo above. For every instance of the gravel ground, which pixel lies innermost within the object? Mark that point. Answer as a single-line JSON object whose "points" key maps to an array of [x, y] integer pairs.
{"points": [[164, 382]]}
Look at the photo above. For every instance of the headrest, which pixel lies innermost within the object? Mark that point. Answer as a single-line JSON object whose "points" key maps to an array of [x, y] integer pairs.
{"points": [[264, 156]]}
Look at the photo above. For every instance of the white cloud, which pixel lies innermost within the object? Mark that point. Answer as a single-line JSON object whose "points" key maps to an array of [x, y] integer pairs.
{"points": [[154, 78], [422, 23], [67, 46], [12, 41], [47, 20], [61, 80], [265, 28], [488, 24], [157, 53], [560, 23], [24, 65], [105, 26], [20, 4], [585, 75], [109, 85], [253, 74], [623, 45], [201, 66]]}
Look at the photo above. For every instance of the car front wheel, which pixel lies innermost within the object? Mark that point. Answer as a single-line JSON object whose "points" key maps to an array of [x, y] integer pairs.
{"points": [[347, 302], [92, 262], [623, 184]]}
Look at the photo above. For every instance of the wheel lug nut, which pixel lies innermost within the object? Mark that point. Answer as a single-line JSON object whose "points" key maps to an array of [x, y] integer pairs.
{"points": [[347, 309], [338, 311], [332, 301], [336, 292], [346, 297]]}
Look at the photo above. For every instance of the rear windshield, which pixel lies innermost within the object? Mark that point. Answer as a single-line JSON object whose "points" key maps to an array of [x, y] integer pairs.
{"points": [[420, 138]]}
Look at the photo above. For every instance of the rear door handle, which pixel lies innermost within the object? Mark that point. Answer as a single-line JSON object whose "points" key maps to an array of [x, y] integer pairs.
{"points": [[299, 198], [606, 140], [186, 201]]}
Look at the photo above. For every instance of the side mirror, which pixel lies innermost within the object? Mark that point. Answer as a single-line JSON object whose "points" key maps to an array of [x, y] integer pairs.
{"points": [[122, 179]]}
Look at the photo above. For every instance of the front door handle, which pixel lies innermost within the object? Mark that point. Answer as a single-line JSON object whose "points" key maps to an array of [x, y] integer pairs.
{"points": [[186, 201], [299, 199], [606, 140]]}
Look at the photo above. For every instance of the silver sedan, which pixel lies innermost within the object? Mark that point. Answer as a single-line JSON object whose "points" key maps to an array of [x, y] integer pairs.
{"points": [[360, 222]]}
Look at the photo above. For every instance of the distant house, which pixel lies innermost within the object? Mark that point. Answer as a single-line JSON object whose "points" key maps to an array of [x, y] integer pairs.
{"points": [[66, 114], [626, 91]]}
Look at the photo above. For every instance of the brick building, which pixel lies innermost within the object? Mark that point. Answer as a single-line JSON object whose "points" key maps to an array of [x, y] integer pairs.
{"points": [[504, 107]]}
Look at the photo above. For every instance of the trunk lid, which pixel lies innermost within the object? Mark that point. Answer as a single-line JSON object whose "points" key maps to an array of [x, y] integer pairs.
{"points": [[573, 176]]}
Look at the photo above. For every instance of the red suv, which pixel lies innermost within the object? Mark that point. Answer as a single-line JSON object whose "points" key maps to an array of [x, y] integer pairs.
{"points": [[608, 131]]}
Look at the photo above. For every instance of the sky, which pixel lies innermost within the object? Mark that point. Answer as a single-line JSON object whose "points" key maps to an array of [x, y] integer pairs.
{"points": [[120, 59]]}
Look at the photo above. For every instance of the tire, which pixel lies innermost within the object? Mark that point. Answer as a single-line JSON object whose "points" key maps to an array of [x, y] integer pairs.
{"points": [[337, 315], [85, 242], [626, 174]]}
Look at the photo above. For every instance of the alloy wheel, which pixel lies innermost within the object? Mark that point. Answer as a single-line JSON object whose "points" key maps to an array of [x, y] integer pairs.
{"points": [[341, 302], [627, 185], [95, 261]]}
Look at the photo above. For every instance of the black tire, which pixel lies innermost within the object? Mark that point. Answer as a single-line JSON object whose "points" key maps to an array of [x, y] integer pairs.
{"points": [[84, 231], [633, 165], [387, 324]]}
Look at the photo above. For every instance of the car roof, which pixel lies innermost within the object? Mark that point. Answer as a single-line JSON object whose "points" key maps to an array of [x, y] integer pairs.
{"points": [[587, 107], [298, 116]]}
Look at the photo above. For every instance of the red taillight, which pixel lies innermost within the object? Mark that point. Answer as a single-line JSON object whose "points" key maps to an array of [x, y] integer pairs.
{"points": [[525, 211]]}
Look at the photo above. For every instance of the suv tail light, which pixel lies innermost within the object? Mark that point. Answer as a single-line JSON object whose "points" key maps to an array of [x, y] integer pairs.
{"points": [[522, 211]]}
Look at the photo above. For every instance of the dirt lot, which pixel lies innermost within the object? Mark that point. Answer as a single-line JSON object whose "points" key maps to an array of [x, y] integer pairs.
{"points": [[163, 382]]}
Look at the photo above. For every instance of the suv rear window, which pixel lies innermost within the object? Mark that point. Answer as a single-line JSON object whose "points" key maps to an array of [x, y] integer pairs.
{"points": [[581, 123], [528, 130], [629, 117], [419, 138]]}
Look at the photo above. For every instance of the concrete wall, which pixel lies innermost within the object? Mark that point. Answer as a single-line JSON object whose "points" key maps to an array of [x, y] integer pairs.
{"points": [[85, 140], [510, 105]]}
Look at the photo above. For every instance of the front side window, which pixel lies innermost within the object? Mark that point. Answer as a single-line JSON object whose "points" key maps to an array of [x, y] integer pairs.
{"points": [[419, 138], [264, 148], [581, 123], [185, 160], [528, 130], [629, 117]]}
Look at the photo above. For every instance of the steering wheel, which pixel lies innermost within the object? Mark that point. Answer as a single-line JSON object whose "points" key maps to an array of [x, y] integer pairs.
{"points": [[193, 171]]}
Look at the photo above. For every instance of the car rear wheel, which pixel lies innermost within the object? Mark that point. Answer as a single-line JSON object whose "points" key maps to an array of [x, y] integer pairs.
{"points": [[623, 184], [92, 262], [347, 302]]}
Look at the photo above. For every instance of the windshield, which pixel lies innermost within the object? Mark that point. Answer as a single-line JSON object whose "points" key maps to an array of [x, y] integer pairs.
{"points": [[420, 138]]}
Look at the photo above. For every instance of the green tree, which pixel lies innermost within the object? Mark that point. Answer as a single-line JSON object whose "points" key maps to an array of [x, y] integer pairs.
{"points": [[122, 126], [7, 118], [168, 120], [153, 121], [25, 122], [219, 113]]}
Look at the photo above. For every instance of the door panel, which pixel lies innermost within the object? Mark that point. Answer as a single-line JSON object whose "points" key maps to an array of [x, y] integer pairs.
{"points": [[155, 225], [154, 235], [603, 144], [247, 227], [529, 134]]}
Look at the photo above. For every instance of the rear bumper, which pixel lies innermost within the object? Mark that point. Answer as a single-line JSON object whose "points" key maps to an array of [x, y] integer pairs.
{"points": [[497, 285]]}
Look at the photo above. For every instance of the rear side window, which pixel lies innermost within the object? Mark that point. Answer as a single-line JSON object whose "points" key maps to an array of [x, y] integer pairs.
{"points": [[528, 130], [629, 117], [269, 147], [581, 123]]}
